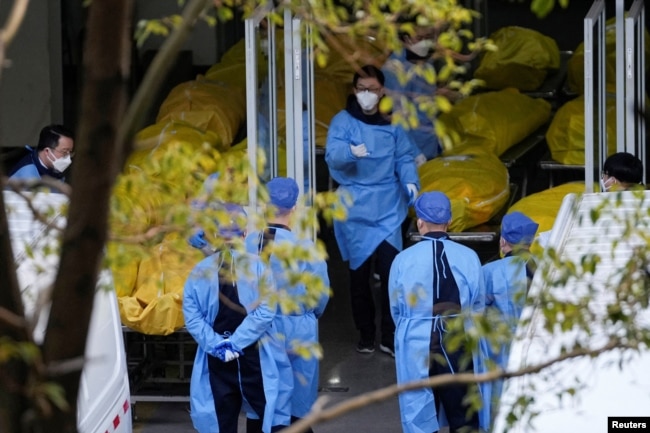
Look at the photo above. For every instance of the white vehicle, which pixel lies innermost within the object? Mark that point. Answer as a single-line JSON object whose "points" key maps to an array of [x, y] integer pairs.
{"points": [[581, 394], [104, 400]]}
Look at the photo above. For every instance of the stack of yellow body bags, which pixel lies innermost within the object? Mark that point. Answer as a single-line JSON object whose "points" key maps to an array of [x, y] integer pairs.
{"points": [[150, 264], [470, 172]]}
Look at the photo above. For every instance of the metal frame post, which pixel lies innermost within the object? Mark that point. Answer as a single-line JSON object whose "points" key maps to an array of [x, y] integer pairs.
{"points": [[594, 69]]}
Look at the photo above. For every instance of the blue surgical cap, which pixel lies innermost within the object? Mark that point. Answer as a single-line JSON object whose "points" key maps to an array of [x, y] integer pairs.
{"points": [[234, 224], [433, 207], [517, 228], [283, 192]]}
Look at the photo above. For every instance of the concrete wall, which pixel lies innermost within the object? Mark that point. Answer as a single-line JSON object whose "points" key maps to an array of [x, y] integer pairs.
{"points": [[31, 94]]}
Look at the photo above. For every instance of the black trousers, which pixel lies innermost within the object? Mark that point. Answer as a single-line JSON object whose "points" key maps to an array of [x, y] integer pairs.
{"points": [[233, 381], [451, 397], [363, 305]]}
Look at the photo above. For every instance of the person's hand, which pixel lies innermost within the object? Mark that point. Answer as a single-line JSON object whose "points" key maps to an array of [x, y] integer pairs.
{"points": [[225, 351], [360, 150], [413, 192], [420, 159], [197, 240]]}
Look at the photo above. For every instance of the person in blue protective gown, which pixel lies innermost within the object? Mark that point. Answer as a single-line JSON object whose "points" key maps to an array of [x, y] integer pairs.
{"points": [[416, 53], [507, 281], [432, 282], [51, 157], [297, 321], [373, 163], [226, 310]]}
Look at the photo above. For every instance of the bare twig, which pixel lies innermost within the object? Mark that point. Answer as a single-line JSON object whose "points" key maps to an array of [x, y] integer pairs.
{"points": [[32, 184], [158, 70], [146, 236], [318, 414], [20, 186], [12, 319], [14, 20]]}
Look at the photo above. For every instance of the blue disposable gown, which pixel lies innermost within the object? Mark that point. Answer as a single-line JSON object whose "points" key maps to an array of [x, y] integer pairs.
{"points": [[424, 135], [300, 325], [376, 184], [200, 307], [30, 167], [506, 284], [411, 301]]}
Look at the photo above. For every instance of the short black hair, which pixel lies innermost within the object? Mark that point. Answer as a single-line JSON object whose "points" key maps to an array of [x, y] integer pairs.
{"points": [[50, 135], [625, 167], [368, 71]]}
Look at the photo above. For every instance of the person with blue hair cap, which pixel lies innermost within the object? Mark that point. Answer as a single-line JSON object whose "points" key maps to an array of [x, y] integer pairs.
{"points": [[507, 281], [297, 323], [373, 163], [432, 282], [227, 311]]}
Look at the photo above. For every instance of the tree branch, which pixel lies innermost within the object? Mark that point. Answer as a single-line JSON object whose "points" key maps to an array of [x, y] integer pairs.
{"points": [[146, 236], [14, 20], [318, 414], [157, 71], [12, 319]]}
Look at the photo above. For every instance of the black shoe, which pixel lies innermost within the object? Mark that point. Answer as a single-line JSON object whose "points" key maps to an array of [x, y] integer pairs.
{"points": [[365, 346], [388, 348]]}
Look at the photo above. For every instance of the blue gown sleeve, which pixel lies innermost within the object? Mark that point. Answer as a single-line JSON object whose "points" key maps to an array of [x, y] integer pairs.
{"points": [[319, 269], [337, 151], [257, 321], [393, 286], [26, 172], [406, 150], [196, 298], [489, 288]]}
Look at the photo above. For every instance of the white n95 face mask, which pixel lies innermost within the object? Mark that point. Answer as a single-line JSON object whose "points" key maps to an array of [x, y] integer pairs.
{"points": [[367, 100], [421, 48], [606, 185], [61, 164]]}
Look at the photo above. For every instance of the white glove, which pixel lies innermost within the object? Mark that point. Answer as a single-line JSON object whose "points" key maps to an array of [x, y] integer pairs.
{"points": [[420, 159], [413, 192], [229, 355], [360, 150]]}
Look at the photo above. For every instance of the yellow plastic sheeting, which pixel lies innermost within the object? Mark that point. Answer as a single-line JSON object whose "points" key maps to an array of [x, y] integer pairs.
{"points": [[123, 260], [523, 59], [576, 63], [207, 105], [170, 166], [566, 134], [542, 207], [135, 208], [154, 141], [155, 305], [496, 121], [231, 69], [475, 181]]}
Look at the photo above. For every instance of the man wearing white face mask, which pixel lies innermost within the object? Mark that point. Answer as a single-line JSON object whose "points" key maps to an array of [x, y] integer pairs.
{"points": [[621, 171], [373, 163], [416, 52], [52, 156]]}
